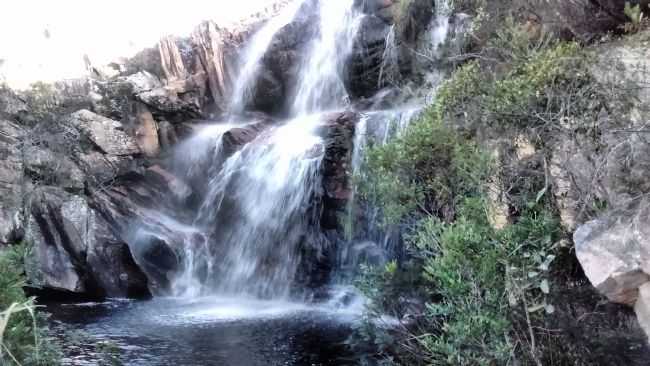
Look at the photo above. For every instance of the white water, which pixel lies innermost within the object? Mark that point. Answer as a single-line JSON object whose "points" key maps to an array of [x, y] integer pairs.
{"points": [[320, 85], [254, 216], [255, 51]]}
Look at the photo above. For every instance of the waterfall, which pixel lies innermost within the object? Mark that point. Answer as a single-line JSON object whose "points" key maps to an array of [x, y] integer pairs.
{"points": [[254, 204], [320, 85], [255, 51], [367, 240], [390, 63]]}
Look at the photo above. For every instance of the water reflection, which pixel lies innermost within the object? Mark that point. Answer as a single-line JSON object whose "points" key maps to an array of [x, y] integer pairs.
{"points": [[206, 331]]}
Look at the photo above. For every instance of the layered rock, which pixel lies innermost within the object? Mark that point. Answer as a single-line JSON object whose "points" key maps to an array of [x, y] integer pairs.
{"points": [[339, 130]]}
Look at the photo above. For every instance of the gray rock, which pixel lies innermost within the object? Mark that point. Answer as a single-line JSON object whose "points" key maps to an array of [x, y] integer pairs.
{"points": [[108, 135], [11, 181], [11, 105], [50, 168], [74, 249]]}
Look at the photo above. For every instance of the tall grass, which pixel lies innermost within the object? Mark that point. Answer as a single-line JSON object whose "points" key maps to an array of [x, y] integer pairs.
{"points": [[23, 333]]}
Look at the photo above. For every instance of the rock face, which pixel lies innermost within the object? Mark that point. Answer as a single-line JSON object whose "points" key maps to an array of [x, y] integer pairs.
{"points": [[600, 182], [47, 174], [615, 253], [339, 129], [386, 20], [11, 180], [74, 249]]}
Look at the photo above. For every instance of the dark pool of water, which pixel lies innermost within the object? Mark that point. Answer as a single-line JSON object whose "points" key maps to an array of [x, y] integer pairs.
{"points": [[208, 331]]}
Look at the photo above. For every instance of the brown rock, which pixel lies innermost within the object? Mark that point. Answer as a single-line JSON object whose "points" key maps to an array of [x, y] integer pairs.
{"points": [[172, 62], [210, 42], [146, 132]]}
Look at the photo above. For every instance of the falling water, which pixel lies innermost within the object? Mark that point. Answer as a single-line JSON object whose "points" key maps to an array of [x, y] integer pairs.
{"points": [[320, 86], [255, 51], [258, 204], [368, 241], [253, 214], [390, 63]]}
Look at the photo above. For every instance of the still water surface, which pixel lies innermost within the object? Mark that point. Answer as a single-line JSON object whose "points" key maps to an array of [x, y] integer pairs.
{"points": [[206, 331]]}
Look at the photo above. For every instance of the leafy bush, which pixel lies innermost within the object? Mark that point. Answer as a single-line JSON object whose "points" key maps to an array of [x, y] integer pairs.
{"points": [[478, 282], [480, 275], [422, 170], [23, 337]]}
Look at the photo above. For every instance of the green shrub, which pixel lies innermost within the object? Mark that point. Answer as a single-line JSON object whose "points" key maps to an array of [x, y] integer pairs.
{"points": [[23, 336], [422, 170]]}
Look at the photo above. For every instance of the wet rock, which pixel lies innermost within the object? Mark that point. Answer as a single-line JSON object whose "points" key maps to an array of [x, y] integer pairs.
{"points": [[268, 93], [237, 137], [166, 135], [180, 190], [642, 308], [339, 132], [365, 63], [365, 252], [158, 259]]}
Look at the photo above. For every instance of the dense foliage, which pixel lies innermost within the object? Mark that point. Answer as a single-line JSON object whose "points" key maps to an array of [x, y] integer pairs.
{"points": [[486, 288], [23, 336]]}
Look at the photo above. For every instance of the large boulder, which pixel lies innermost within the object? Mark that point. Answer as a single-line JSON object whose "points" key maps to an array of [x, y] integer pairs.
{"points": [[74, 250], [106, 134], [614, 252]]}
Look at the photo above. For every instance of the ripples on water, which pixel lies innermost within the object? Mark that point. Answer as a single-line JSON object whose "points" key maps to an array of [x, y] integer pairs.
{"points": [[206, 331]]}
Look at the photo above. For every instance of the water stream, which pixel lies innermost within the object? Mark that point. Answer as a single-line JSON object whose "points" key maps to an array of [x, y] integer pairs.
{"points": [[233, 300]]}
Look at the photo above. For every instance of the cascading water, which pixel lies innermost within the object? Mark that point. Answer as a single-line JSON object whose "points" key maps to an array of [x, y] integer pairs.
{"points": [[254, 211], [258, 202], [320, 84], [254, 53], [229, 242], [368, 241]]}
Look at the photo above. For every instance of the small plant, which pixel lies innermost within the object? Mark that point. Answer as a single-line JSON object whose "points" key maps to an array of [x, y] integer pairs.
{"points": [[637, 20]]}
